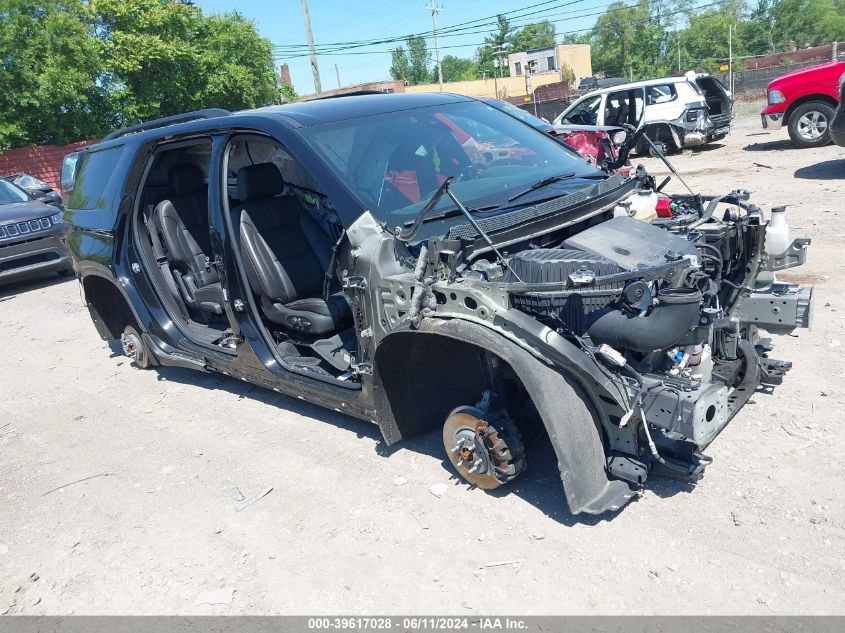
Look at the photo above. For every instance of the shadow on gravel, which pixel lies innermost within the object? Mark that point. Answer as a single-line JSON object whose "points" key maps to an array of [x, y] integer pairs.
{"points": [[827, 170], [771, 146], [44, 280], [540, 485]]}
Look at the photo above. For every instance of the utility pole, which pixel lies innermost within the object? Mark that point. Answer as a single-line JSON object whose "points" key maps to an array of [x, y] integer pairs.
{"points": [[315, 70], [730, 59], [337, 72], [679, 51], [434, 11]]}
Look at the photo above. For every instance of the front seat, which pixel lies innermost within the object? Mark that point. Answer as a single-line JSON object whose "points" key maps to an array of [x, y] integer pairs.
{"points": [[286, 255], [182, 218]]}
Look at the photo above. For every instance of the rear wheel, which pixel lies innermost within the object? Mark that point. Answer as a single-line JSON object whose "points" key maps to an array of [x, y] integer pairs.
{"points": [[485, 448], [809, 124], [134, 347]]}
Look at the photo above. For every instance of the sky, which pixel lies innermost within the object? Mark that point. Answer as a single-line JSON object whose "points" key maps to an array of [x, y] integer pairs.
{"points": [[340, 21]]}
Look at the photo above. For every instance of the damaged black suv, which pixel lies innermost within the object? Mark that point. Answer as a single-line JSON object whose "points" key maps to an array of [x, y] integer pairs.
{"points": [[426, 261]]}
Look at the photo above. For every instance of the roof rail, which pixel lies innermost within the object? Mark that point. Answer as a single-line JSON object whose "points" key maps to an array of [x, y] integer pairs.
{"points": [[353, 93], [208, 113]]}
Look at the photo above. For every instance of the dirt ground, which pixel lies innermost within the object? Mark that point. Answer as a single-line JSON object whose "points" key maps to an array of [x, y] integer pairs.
{"points": [[351, 526]]}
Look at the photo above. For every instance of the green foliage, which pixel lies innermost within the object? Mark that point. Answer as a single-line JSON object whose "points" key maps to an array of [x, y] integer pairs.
{"points": [[74, 69], [412, 65], [400, 67], [644, 40], [496, 46], [532, 36], [457, 68]]}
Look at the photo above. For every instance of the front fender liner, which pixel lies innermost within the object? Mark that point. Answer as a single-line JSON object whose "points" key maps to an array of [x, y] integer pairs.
{"points": [[566, 414]]}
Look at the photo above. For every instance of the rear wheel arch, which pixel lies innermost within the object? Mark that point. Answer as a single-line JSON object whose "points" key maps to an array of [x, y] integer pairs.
{"points": [[421, 376], [109, 308]]}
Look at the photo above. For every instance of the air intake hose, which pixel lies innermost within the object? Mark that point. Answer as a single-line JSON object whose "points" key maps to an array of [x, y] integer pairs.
{"points": [[676, 313]]}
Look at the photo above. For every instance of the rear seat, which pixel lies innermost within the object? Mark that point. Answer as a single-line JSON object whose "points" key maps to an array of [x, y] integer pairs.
{"points": [[182, 219]]}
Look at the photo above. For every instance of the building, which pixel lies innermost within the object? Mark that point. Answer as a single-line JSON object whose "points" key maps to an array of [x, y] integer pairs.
{"points": [[375, 86], [555, 60]]}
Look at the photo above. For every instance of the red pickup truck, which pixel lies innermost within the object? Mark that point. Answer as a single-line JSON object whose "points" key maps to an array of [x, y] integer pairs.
{"points": [[804, 100]]}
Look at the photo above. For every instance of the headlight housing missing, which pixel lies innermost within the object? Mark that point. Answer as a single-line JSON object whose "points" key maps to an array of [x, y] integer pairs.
{"points": [[776, 96]]}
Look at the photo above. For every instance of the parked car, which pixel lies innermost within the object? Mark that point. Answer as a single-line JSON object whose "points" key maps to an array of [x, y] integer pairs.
{"points": [[804, 100], [358, 253], [679, 111], [598, 145], [588, 84], [837, 126], [28, 235], [37, 188]]}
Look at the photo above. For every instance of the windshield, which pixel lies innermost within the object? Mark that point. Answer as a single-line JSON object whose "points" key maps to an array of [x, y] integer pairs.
{"points": [[393, 162], [520, 114], [9, 193]]}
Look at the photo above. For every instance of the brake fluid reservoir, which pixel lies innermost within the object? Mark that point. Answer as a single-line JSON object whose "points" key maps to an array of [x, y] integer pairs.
{"points": [[644, 205], [777, 232]]}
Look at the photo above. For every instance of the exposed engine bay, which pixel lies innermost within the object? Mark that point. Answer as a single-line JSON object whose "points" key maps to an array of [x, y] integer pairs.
{"points": [[669, 311]]}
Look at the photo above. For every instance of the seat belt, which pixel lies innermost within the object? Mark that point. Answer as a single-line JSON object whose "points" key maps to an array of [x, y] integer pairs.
{"points": [[161, 258]]}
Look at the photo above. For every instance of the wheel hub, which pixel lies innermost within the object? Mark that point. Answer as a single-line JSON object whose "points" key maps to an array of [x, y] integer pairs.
{"points": [[130, 344], [476, 449]]}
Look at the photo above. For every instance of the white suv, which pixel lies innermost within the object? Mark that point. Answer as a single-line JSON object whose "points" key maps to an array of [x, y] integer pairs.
{"points": [[680, 111]]}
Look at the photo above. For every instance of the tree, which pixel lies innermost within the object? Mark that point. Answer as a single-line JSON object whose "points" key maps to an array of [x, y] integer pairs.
{"points": [[457, 68], [807, 22], [51, 75], [75, 69], [400, 67], [412, 66], [532, 36], [418, 59], [496, 46]]}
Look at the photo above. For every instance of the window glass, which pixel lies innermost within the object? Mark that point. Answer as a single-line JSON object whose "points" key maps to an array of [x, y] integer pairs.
{"points": [[660, 94], [10, 194], [585, 112], [551, 62], [623, 107], [92, 175], [518, 68], [394, 162]]}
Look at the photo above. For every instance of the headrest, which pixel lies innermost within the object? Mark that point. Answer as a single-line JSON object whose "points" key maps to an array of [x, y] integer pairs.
{"points": [[259, 181], [183, 180]]}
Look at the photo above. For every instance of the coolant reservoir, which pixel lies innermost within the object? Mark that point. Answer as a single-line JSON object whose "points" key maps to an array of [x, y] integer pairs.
{"points": [[644, 205], [777, 232]]}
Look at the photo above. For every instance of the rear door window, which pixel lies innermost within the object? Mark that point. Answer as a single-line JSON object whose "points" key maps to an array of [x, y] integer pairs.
{"points": [[660, 94], [92, 174]]}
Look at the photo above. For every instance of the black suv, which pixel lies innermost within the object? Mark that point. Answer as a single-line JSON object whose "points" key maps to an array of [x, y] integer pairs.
{"points": [[426, 261]]}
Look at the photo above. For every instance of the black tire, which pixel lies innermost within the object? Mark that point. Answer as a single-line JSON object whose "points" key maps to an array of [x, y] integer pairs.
{"points": [[809, 124]]}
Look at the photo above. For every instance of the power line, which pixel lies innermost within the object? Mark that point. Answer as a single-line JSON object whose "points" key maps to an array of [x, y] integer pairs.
{"points": [[450, 29], [346, 50]]}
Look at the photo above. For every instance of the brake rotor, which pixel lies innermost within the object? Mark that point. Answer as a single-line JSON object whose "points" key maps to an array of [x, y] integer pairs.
{"points": [[483, 454]]}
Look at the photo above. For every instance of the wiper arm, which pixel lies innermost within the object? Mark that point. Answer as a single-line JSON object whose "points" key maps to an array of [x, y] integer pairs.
{"points": [[539, 184], [408, 233], [552, 179]]}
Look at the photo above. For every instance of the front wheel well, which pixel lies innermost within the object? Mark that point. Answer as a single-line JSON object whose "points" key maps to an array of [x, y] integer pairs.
{"points": [[425, 376], [108, 307], [826, 99]]}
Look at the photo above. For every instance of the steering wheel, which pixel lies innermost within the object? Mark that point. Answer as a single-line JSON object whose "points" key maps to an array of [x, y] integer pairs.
{"points": [[498, 162], [471, 172]]}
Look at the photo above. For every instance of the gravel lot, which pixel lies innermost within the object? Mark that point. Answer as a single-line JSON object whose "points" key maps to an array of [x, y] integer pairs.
{"points": [[352, 526]]}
